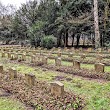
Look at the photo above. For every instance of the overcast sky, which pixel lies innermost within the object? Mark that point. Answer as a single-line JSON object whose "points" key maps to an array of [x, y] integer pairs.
{"points": [[16, 3]]}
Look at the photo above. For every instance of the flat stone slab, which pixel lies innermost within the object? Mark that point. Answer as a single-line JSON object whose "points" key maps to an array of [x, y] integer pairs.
{"points": [[57, 88], [57, 83]]}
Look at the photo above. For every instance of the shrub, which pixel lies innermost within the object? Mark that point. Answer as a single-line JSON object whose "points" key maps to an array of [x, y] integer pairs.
{"points": [[48, 42], [35, 33]]}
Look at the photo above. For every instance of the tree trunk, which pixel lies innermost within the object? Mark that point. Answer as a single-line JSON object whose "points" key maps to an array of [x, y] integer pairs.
{"points": [[72, 40], [78, 38], [96, 25], [83, 39], [66, 38], [59, 41]]}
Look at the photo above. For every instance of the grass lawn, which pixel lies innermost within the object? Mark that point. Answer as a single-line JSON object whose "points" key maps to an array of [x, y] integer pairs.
{"points": [[8, 104], [86, 66]]}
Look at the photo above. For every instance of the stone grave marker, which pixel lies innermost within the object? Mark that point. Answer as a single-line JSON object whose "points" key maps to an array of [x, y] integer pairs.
{"points": [[23, 57], [99, 58], [70, 55], [99, 67], [83, 56], [1, 68], [100, 49], [57, 88], [80, 49], [59, 48], [58, 61], [45, 59], [76, 64], [109, 50], [15, 56], [59, 54], [3, 54], [30, 79], [9, 55], [33, 59], [12, 73], [89, 49]]}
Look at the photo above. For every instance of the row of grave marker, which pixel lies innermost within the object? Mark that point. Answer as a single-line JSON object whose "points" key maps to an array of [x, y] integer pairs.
{"points": [[57, 88], [56, 49], [59, 54], [34, 51], [99, 67], [37, 50]]}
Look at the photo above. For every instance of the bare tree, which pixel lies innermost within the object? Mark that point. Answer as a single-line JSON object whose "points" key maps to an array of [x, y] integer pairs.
{"points": [[96, 25]]}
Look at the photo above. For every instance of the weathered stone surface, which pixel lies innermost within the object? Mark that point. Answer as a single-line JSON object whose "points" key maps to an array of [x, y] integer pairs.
{"points": [[80, 49], [49, 54], [34, 52], [70, 54], [59, 48], [108, 50], [100, 49], [99, 57], [83, 56], [76, 50], [65, 49], [1, 68], [3, 54], [57, 88], [33, 59], [9, 55], [76, 64], [89, 49], [23, 57], [12, 57], [53, 49], [45, 49], [30, 79], [99, 67], [12, 73], [15, 56], [59, 54], [58, 61], [44, 59], [73, 49]]}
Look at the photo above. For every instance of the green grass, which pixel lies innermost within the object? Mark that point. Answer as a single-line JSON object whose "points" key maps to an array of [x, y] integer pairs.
{"points": [[96, 94], [86, 66], [51, 61], [107, 59], [67, 63], [107, 68], [8, 104], [91, 66], [90, 58], [66, 56]]}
